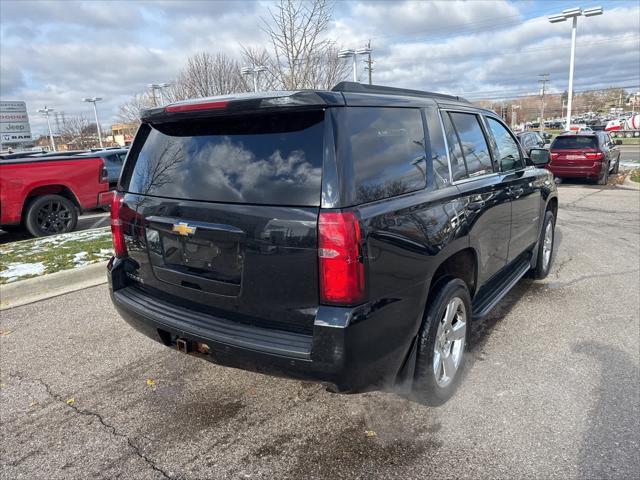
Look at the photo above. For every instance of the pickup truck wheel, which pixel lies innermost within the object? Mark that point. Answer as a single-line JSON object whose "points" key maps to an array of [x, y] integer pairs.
{"points": [[545, 247], [442, 343], [50, 215]]}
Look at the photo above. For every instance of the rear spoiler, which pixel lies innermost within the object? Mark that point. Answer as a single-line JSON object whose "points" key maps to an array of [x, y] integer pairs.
{"points": [[242, 103]]}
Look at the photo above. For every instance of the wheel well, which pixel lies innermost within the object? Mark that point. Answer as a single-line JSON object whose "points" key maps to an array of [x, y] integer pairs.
{"points": [[50, 190], [462, 265], [54, 190], [553, 206]]}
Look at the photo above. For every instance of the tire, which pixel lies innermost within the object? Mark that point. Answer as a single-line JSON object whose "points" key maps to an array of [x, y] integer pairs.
{"points": [[616, 169], [51, 215], [544, 261], [603, 179], [431, 383]]}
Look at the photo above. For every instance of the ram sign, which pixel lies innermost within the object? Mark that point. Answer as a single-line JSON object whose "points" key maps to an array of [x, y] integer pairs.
{"points": [[14, 123]]}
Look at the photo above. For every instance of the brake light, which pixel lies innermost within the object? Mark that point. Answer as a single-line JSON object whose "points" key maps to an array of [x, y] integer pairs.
{"points": [[194, 107], [554, 155], [117, 225], [104, 174], [594, 155], [340, 263]]}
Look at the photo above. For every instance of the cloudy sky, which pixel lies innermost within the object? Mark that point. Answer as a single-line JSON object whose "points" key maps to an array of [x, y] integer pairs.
{"points": [[56, 52]]}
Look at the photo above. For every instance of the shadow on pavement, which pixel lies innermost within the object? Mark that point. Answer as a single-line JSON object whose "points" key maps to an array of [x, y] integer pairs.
{"points": [[610, 446]]}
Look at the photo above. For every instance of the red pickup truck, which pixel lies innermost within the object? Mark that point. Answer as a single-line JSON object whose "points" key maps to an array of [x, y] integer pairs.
{"points": [[45, 195]]}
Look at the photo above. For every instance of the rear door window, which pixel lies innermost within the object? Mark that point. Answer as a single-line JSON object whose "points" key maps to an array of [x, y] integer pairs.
{"points": [[271, 159], [473, 144], [387, 151], [574, 142]]}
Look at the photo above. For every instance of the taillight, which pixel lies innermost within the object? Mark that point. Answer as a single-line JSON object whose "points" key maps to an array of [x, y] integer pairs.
{"points": [[554, 156], [104, 174], [340, 263], [193, 107], [594, 155], [117, 225]]}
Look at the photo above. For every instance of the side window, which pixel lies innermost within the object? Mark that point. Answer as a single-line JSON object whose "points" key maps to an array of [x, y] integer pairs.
{"points": [[439, 159], [458, 167], [475, 150], [508, 153], [387, 150]]}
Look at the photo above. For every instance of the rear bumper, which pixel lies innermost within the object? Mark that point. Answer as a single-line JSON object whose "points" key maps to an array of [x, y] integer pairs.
{"points": [[343, 352], [589, 170]]}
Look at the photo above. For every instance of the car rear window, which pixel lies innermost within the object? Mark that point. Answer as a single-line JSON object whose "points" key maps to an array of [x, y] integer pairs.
{"points": [[268, 159], [574, 142], [387, 151]]}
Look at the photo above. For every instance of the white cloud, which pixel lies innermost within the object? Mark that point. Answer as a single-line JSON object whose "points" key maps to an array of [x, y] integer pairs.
{"points": [[56, 52]]}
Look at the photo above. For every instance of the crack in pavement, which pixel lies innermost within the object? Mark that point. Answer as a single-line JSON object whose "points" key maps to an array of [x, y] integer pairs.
{"points": [[557, 285], [96, 415], [573, 204]]}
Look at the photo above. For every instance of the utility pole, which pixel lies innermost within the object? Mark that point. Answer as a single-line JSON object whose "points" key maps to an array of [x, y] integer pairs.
{"points": [[369, 62], [543, 81]]}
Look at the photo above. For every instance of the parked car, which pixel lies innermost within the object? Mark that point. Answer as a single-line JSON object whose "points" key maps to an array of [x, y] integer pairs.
{"points": [[346, 236], [113, 160], [531, 139], [585, 155], [46, 194]]}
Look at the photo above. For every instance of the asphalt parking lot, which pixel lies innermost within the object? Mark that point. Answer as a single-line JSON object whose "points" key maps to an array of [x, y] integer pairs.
{"points": [[551, 390], [91, 219]]}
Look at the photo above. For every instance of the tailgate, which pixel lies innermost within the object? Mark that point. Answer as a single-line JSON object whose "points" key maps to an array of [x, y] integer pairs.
{"points": [[221, 216]]}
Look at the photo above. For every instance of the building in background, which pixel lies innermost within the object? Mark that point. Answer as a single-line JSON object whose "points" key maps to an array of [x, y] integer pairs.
{"points": [[123, 133]]}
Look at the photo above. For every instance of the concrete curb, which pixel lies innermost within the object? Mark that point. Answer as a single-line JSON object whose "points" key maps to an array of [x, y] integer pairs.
{"points": [[628, 183], [40, 288]]}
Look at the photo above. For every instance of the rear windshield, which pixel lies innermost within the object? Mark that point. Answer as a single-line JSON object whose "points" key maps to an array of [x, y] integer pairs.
{"points": [[574, 142], [266, 159]]}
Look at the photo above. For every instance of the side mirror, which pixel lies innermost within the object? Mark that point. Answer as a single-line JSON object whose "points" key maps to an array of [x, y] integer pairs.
{"points": [[618, 142], [539, 156], [546, 136]]}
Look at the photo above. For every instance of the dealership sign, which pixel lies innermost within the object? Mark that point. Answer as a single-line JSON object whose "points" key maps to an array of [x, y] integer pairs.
{"points": [[14, 122]]}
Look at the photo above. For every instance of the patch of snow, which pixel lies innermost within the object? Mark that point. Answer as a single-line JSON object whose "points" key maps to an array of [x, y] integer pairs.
{"points": [[80, 259], [16, 270]]}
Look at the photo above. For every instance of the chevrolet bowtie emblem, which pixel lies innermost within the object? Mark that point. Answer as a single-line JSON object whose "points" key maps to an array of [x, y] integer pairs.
{"points": [[183, 229]]}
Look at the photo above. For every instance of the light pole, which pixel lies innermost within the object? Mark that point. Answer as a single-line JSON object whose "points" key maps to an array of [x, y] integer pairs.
{"points": [[254, 72], [158, 86], [350, 53], [94, 100], [366, 51], [573, 13], [46, 111], [513, 115]]}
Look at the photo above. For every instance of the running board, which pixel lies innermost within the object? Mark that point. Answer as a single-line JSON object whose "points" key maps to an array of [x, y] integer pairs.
{"points": [[485, 301]]}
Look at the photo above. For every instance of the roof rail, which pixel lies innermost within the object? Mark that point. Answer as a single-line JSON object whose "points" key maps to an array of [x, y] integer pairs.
{"points": [[364, 88]]}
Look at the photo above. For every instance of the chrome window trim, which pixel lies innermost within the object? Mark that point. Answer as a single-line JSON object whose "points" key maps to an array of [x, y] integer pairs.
{"points": [[446, 145], [479, 177]]}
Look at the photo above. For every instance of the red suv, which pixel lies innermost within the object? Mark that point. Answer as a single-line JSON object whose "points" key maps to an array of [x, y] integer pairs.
{"points": [[585, 155]]}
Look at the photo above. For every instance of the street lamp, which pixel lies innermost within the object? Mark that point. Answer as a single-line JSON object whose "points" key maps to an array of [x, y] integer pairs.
{"points": [[366, 51], [346, 53], [158, 86], [573, 13], [254, 71], [46, 111], [94, 100]]}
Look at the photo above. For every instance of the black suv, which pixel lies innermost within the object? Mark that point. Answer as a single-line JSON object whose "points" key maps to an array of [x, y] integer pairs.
{"points": [[345, 236]]}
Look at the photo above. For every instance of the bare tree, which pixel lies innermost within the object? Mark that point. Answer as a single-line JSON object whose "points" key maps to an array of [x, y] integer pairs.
{"points": [[301, 56], [207, 75], [73, 132], [130, 111]]}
